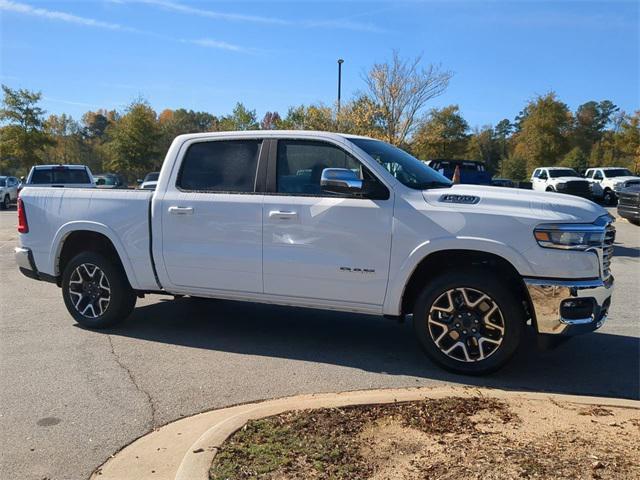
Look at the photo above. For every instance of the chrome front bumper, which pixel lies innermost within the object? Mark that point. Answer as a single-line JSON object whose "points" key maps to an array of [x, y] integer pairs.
{"points": [[569, 307]]}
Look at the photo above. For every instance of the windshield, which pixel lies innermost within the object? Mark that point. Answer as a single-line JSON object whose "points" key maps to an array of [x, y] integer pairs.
{"points": [[60, 175], [408, 170], [108, 180], [563, 172], [152, 177], [617, 172]]}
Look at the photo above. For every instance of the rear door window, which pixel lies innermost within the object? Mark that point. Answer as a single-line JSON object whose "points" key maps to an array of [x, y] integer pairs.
{"points": [[220, 166], [60, 175]]}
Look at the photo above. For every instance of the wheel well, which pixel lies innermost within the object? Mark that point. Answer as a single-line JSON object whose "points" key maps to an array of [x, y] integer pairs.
{"points": [[438, 262], [86, 241], [550, 189]]}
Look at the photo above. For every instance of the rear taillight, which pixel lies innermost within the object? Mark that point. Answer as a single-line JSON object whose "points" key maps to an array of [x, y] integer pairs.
{"points": [[23, 226]]}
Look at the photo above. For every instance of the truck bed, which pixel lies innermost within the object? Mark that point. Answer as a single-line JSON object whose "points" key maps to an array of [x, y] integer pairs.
{"points": [[121, 215]]}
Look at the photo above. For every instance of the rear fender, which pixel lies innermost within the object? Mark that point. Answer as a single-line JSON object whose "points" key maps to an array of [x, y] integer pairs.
{"points": [[65, 230]]}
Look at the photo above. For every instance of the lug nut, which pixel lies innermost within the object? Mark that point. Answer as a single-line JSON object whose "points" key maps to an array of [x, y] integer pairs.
{"points": [[474, 330], [464, 331], [457, 325]]}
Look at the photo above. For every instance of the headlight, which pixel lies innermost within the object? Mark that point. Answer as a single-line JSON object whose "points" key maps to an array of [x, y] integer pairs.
{"points": [[569, 237]]}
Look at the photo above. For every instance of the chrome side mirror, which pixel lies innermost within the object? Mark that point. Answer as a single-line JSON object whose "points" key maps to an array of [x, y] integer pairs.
{"points": [[340, 180]]}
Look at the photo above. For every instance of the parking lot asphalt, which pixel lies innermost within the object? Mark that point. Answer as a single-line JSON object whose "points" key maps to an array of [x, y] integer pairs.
{"points": [[71, 397]]}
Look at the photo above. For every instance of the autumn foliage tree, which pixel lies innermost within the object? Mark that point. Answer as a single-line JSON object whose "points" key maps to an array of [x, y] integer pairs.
{"points": [[22, 134], [135, 141], [443, 134]]}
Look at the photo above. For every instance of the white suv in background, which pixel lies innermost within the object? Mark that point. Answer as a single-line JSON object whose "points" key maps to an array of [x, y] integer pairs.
{"points": [[8, 191], [609, 179], [561, 180]]}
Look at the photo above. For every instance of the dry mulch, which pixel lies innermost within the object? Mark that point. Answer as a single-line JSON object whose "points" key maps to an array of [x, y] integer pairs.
{"points": [[448, 438]]}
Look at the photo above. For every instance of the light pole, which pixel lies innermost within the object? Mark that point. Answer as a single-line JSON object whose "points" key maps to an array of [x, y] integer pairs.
{"points": [[340, 62]]}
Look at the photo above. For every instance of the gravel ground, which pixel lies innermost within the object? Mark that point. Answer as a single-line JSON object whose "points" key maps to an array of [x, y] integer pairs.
{"points": [[72, 397]]}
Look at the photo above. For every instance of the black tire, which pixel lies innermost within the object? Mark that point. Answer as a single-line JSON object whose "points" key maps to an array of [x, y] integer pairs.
{"points": [[550, 189], [510, 316], [102, 312], [609, 197], [6, 202]]}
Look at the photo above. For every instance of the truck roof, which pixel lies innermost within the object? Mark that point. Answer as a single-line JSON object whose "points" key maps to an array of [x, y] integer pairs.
{"points": [[273, 133], [608, 168], [39, 167]]}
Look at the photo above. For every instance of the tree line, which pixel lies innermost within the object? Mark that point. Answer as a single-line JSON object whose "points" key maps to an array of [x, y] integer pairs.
{"points": [[393, 107]]}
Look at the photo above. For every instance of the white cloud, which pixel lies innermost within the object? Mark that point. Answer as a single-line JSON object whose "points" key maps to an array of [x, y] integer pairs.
{"points": [[179, 7], [344, 24], [25, 9], [210, 43]]}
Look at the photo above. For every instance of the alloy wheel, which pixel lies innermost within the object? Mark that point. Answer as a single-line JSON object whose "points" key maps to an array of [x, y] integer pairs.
{"points": [[466, 324], [89, 290]]}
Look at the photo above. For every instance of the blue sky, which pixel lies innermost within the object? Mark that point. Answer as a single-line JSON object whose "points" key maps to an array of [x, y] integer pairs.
{"points": [[207, 55]]}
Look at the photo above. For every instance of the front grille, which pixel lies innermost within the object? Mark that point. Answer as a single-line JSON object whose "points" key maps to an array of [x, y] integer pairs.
{"points": [[607, 250], [578, 187]]}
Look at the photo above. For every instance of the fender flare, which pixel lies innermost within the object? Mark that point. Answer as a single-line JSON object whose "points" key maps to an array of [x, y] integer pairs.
{"points": [[76, 226], [397, 284]]}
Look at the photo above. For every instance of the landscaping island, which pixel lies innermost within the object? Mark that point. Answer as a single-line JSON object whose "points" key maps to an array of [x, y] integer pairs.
{"points": [[452, 437]]}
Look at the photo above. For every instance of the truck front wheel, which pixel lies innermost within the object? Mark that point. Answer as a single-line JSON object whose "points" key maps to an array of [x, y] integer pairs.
{"points": [[96, 291], [468, 321], [609, 197]]}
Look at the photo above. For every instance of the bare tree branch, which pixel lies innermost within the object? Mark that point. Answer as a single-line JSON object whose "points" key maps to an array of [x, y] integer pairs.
{"points": [[402, 88]]}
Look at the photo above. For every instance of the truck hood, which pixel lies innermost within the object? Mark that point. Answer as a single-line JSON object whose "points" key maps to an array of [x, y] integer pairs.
{"points": [[623, 179], [542, 206], [568, 179]]}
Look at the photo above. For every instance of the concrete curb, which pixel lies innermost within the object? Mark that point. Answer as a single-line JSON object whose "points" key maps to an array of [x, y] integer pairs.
{"points": [[184, 449]]}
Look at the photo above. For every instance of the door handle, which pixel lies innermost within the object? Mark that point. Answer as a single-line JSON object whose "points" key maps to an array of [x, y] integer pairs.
{"points": [[180, 210], [282, 215]]}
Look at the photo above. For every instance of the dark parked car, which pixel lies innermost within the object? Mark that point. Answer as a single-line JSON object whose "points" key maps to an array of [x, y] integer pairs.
{"points": [[503, 182], [110, 180], [629, 202], [471, 171]]}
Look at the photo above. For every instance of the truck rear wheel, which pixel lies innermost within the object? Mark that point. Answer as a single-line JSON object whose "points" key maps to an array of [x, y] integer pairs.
{"points": [[468, 321], [96, 291]]}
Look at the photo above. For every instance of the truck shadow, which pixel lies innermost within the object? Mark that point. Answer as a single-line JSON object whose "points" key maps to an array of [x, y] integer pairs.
{"points": [[598, 364], [622, 251]]}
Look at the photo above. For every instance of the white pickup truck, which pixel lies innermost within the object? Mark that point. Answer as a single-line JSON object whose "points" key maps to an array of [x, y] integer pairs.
{"points": [[334, 222], [562, 180], [608, 180]]}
